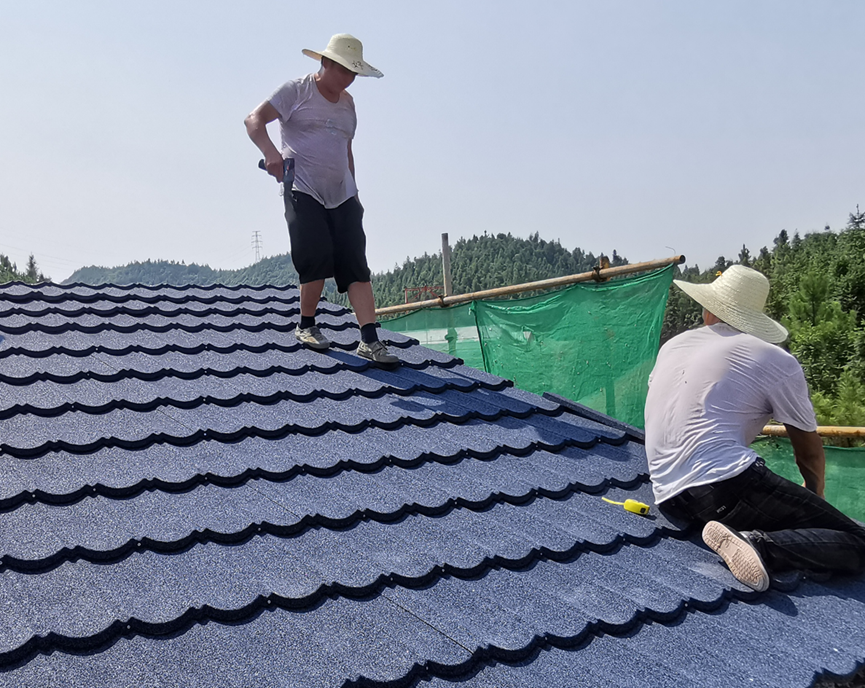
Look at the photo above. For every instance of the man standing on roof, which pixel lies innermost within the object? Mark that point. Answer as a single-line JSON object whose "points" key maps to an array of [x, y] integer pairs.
{"points": [[711, 392], [317, 120]]}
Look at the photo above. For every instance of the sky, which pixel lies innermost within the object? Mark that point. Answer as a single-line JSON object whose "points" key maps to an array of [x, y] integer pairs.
{"points": [[649, 127]]}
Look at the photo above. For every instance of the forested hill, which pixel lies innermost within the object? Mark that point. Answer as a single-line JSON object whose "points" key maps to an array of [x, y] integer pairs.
{"points": [[482, 262], [486, 262], [275, 270]]}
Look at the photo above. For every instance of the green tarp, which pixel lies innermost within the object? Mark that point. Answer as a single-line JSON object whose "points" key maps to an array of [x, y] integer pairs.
{"points": [[845, 469], [449, 330], [594, 343]]}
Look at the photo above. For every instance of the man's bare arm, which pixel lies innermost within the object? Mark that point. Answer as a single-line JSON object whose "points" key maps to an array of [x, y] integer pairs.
{"points": [[810, 458], [256, 126], [351, 169]]}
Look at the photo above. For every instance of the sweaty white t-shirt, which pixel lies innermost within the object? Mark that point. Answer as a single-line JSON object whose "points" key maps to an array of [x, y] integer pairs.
{"points": [[711, 392], [316, 133]]}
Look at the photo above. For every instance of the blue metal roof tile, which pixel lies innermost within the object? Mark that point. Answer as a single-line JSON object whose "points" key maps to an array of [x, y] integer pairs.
{"points": [[181, 479], [579, 430], [30, 435], [19, 368], [697, 570], [531, 399], [491, 536], [623, 462], [788, 628], [42, 396], [417, 355], [493, 381], [434, 375]]}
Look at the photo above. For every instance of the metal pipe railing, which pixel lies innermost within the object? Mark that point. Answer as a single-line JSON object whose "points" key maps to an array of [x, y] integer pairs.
{"points": [[598, 275]]}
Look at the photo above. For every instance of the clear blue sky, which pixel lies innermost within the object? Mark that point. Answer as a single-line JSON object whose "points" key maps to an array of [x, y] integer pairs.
{"points": [[633, 125]]}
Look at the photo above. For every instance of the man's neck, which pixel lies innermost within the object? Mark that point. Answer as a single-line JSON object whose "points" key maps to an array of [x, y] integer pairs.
{"points": [[327, 90]]}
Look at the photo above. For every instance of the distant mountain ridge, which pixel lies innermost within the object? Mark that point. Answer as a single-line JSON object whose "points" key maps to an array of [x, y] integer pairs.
{"points": [[277, 270], [482, 262]]}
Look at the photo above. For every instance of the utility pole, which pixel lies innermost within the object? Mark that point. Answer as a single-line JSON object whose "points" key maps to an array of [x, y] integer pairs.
{"points": [[446, 265], [256, 244]]}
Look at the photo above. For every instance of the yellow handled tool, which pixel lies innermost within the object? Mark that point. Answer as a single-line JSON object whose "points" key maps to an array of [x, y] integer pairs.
{"points": [[631, 505]]}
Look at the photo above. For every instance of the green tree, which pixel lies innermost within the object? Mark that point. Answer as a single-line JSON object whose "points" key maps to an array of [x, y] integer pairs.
{"points": [[811, 303], [823, 336], [31, 274], [857, 219]]}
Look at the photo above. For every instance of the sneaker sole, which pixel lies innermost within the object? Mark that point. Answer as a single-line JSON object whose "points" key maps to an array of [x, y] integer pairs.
{"points": [[377, 363], [741, 558], [315, 345]]}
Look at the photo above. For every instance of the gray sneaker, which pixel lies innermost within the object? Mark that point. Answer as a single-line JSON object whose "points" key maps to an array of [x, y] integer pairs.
{"points": [[741, 557], [377, 353], [312, 337]]}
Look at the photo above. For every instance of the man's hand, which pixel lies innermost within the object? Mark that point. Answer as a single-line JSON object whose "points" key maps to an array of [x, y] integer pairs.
{"points": [[274, 166], [810, 458]]}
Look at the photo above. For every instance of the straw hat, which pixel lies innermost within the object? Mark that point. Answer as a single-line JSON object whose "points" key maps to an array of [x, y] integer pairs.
{"points": [[738, 297], [346, 50]]}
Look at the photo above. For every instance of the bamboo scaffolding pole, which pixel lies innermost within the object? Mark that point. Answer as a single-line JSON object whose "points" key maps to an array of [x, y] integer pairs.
{"points": [[597, 275], [837, 431]]}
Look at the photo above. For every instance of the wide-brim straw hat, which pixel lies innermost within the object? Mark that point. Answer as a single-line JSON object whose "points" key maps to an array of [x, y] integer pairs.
{"points": [[346, 50], [738, 297]]}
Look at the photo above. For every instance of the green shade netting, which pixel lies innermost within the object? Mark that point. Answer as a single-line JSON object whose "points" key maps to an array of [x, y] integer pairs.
{"points": [[449, 330], [593, 343], [845, 468], [596, 344]]}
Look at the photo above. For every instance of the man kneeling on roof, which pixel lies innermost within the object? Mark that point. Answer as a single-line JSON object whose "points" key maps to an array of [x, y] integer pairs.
{"points": [[711, 392]]}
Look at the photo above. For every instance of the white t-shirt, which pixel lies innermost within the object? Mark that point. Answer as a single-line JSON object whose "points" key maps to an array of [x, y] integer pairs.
{"points": [[316, 133], [711, 392]]}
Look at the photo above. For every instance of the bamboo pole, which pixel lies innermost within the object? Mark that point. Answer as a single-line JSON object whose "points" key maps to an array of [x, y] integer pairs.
{"points": [[822, 430], [598, 275]]}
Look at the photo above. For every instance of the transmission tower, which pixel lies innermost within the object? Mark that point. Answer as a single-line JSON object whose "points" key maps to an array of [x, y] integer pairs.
{"points": [[256, 244]]}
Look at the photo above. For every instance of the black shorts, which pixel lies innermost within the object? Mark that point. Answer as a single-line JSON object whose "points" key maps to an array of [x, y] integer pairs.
{"points": [[326, 242]]}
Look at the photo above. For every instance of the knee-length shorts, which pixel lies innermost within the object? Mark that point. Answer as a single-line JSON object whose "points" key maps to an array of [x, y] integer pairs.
{"points": [[326, 242]]}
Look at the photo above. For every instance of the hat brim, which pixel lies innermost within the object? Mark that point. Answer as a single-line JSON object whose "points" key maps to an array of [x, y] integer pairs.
{"points": [[745, 320], [362, 68]]}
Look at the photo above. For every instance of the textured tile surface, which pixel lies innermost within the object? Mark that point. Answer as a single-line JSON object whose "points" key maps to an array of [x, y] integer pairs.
{"points": [[188, 497]]}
